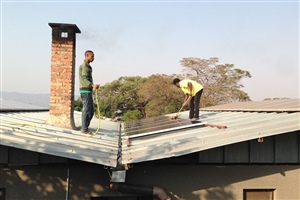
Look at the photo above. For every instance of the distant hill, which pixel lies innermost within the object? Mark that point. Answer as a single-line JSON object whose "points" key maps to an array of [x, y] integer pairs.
{"points": [[32, 99]]}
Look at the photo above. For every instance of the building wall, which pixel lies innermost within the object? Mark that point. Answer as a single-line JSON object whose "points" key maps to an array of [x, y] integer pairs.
{"points": [[181, 181], [217, 174], [50, 182], [212, 182]]}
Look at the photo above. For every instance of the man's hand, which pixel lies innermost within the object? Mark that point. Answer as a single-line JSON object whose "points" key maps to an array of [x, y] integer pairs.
{"points": [[96, 86]]}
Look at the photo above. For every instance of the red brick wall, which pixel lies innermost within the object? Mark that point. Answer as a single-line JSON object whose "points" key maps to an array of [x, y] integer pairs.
{"points": [[62, 79]]}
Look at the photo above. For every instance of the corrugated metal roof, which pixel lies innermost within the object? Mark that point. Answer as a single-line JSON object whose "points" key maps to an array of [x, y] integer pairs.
{"points": [[241, 126], [286, 105], [27, 130]]}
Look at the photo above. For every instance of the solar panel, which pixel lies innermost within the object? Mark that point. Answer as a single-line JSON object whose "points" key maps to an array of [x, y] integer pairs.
{"points": [[156, 125]]}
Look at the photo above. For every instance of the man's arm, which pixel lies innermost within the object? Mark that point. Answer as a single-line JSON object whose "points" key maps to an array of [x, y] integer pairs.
{"points": [[191, 88], [185, 99], [84, 73]]}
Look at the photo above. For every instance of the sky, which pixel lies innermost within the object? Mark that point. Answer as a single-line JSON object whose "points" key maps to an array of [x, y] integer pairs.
{"points": [[141, 38]]}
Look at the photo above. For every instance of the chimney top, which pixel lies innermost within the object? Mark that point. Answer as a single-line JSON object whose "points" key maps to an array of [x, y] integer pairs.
{"points": [[65, 27]]}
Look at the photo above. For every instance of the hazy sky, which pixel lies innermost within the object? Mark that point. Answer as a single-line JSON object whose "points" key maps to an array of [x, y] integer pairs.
{"points": [[133, 38]]}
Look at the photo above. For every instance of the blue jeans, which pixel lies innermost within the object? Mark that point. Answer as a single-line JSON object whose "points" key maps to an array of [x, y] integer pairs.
{"points": [[87, 110]]}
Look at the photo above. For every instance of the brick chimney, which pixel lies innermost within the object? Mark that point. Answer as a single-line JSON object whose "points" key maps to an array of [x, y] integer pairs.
{"points": [[61, 112]]}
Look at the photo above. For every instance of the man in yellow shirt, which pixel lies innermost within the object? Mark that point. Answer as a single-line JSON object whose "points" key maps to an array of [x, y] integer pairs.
{"points": [[191, 89]]}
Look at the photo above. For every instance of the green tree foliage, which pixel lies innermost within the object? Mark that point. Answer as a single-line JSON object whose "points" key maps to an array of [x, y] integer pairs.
{"points": [[132, 115], [78, 105], [121, 95], [105, 107], [140, 97], [221, 82], [160, 96]]}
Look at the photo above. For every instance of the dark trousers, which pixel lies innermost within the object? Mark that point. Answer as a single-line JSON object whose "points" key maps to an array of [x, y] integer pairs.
{"points": [[195, 105], [87, 110]]}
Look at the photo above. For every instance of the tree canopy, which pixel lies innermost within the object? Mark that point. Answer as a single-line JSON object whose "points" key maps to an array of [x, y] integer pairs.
{"points": [[140, 97], [159, 95], [121, 95], [222, 83]]}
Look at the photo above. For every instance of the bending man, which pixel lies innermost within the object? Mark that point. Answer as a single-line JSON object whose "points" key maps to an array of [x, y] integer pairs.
{"points": [[191, 89]]}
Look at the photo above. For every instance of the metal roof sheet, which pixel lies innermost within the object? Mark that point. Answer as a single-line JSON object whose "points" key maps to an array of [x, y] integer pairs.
{"points": [[241, 126], [287, 105], [27, 130]]}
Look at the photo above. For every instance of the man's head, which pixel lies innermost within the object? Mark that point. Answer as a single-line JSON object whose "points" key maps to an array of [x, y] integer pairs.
{"points": [[89, 56], [176, 82]]}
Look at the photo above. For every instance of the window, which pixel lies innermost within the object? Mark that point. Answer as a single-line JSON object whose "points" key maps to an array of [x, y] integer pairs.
{"points": [[64, 34], [258, 194]]}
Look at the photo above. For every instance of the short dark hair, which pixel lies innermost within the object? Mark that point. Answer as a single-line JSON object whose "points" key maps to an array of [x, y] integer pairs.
{"points": [[88, 52], [176, 80]]}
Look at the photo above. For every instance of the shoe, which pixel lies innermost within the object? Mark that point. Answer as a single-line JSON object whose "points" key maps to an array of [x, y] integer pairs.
{"points": [[86, 132], [195, 119]]}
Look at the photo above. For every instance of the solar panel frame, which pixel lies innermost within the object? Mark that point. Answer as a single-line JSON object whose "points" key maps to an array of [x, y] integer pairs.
{"points": [[156, 125]]}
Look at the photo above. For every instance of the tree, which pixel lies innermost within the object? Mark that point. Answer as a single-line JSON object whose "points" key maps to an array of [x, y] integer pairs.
{"points": [[78, 104], [139, 97], [159, 95], [132, 115], [221, 82], [121, 95]]}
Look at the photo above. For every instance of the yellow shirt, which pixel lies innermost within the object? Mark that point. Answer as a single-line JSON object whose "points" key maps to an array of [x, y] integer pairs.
{"points": [[196, 87]]}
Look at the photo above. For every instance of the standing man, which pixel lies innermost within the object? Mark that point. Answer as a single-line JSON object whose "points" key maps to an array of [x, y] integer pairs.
{"points": [[86, 91], [191, 89]]}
